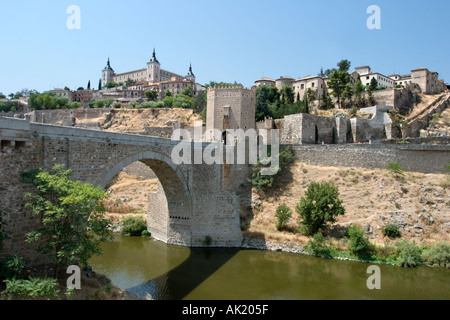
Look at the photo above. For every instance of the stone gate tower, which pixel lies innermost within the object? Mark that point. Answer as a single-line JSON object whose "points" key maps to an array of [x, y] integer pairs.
{"points": [[230, 107]]}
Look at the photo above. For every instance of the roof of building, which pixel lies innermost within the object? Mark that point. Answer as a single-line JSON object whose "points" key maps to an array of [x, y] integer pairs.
{"points": [[308, 77], [265, 79], [153, 59]]}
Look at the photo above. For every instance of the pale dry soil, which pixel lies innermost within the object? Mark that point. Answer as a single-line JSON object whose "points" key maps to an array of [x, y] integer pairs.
{"points": [[128, 195], [419, 203]]}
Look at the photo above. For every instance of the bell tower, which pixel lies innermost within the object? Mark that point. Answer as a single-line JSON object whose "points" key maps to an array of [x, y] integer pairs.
{"points": [[153, 69], [190, 76], [107, 74]]}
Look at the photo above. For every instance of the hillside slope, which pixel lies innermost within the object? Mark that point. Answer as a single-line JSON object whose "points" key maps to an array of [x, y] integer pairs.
{"points": [[418, 203]]}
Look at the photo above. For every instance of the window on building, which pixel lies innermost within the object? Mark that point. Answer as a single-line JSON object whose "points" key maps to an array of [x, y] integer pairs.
{"points": [[313, 84], [302, 86]]}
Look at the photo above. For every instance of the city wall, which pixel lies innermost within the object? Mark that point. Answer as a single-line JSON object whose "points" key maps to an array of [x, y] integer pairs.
{"points": [[416, 158]]}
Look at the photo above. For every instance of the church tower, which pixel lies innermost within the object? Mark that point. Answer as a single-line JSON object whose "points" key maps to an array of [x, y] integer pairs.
{"points": [[107, 74], [153, 69], [190, 76]]}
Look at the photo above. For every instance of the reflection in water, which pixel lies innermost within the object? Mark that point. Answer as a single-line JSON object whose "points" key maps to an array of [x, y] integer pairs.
{"points": [[180, 281], [147, 267]]}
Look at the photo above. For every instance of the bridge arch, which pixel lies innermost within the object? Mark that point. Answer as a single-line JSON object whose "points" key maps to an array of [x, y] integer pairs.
{"points": [[170, 208]]}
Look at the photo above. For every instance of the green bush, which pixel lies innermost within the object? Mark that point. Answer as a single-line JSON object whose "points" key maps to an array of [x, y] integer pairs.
{"points": [[283, 215], [33, 288], [264, 183], [133, 226], [146, 234], [409, 254], [438, 255], [318, 245], [395, 168], [359, 244], [208, 240], [391, 231], [12, 267], [320, 206]]}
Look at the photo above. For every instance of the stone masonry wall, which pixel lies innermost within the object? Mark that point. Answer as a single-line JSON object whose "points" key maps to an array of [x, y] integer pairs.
{"points": [[197, 204], [416, 158]]}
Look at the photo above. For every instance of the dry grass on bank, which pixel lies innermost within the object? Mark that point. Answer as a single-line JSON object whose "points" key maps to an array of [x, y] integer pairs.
{"points": [[128, 195], [376, 197]]}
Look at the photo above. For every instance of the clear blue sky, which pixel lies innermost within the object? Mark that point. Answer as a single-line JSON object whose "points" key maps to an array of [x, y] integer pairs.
{"points": [[227, 40]]}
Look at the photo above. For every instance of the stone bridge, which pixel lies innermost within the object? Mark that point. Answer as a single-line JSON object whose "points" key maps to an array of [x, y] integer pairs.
{"points": [[193, 200]]}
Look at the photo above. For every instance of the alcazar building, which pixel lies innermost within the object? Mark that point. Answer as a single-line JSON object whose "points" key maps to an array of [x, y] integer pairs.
{"points": [[151, 78]]}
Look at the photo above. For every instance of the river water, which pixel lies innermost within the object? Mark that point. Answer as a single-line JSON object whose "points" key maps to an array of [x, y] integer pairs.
{"points": [[147, 267]]}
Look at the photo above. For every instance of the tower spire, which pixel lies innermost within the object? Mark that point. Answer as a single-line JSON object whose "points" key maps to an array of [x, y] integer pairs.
{"points": [[190, 73], [153, 59]]}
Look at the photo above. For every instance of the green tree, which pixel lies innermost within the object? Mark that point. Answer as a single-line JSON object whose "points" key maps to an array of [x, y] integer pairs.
{"points": [[168, 101], [287, 95], [110, 85], [265, 96], [129, 82], [73, 216], [168, 93], [311, 94], [321, 205], [347, 94], [359, 244], [188, 91], [264, 183], [283, 214], [409, 254], [344, 65], [74, 105], [151, 95], [338, 83], [325, 102], [200, 101], [133, 226], [373, 85]]}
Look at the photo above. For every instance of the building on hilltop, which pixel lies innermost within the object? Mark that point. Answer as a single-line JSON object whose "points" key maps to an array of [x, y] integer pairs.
{"points": [[427, 81], [366, 75], [151, 78]]}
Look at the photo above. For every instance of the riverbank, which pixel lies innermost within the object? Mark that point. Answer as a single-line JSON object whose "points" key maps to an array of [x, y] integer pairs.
{"points": [[402, 253], [257, 244], [94, 286]]}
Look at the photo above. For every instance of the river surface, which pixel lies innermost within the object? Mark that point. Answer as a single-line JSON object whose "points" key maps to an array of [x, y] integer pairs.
{"points": [[147, 267]]}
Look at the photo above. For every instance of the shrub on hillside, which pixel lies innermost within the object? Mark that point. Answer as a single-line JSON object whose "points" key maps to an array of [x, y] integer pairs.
{"points": [[33, 288], [283, 215], [320, 206], [359, 244], [133, 226], [264, 183], [409, 254], [438, 255], [12, 267], [391, 231], [318, 245]]}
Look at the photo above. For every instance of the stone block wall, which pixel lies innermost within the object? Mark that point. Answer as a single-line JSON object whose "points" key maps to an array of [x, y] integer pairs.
{"points": [[230, 107], [195, 203], [416, 158]]}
